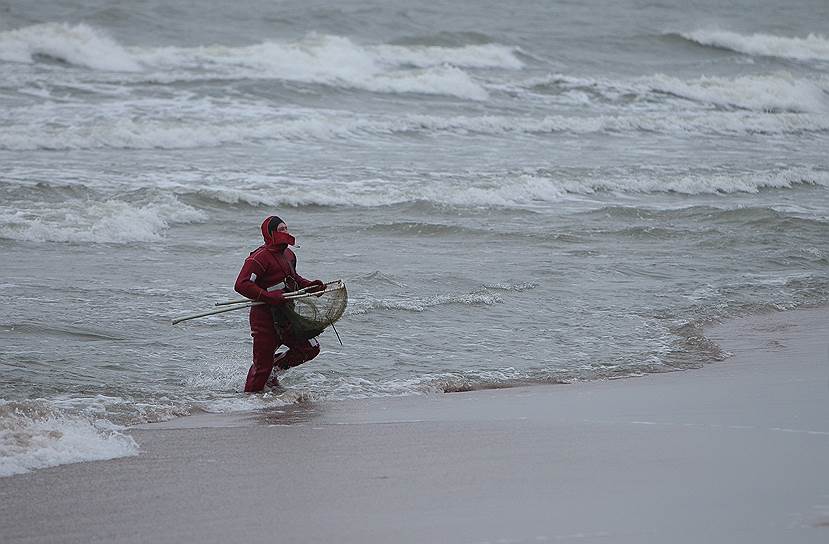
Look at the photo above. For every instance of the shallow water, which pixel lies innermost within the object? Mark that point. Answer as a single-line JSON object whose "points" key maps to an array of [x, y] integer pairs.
{"points": [[512, 195]]}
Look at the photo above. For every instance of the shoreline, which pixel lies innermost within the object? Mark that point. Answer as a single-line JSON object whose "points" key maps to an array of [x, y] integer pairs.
{"points": [[734, 451]]}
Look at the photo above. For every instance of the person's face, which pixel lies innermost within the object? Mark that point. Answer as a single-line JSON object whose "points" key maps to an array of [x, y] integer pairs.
{"points": [[282, 227]]}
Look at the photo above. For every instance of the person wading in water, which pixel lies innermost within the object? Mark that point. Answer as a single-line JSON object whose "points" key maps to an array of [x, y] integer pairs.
{"points": [[268, 273]]}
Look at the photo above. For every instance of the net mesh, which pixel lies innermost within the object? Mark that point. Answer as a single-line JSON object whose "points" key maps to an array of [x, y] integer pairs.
{"points": [[309, 316]]}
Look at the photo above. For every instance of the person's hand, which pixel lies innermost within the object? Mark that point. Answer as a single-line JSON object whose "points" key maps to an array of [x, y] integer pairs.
{"points": [[317, 286], [274, 297]]}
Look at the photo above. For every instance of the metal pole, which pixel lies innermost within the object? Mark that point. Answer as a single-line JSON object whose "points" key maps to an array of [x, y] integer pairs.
{"points": [[246, 303], [218, 311], [287, 295]]}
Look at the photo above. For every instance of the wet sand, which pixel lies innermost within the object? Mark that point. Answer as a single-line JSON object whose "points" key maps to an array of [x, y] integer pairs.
{"points": [[737, 451]]}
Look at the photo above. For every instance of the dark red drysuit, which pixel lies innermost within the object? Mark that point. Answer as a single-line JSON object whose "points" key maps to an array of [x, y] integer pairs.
{"points": [[272, 265]]}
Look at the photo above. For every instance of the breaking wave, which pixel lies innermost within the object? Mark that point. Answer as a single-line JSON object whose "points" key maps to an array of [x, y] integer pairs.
{"points": [[812, 47], [79, 44], [781, 92], [319, 59], [105, 219], [698, 182], [758, 93], [112, 221], [328, 56], [509, 189], [148, 134], [35, 435]]}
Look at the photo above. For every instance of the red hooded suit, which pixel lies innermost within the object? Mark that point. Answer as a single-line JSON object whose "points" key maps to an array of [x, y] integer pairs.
{"points": [[267, 273]]}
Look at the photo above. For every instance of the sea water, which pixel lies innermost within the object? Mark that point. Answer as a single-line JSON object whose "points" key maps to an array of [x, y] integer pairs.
{"points": [[514, 193]]}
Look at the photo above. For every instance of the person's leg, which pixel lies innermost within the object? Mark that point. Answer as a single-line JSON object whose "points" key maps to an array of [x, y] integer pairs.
{"points": [[299, 351], [265, 342]]}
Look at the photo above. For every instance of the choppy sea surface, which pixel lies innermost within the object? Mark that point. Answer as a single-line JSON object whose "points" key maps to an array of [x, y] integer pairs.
{"points": [[541, 192]]}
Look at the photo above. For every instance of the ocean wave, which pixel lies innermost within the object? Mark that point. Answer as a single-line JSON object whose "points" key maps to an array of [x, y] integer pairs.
{"points": [[79, 44], [421, 229], [525, 189], [776, 93], [125, 133], [508, 191], [444, 79], [812, 47], [506, 286], [318, 59], [420, 304], [781, 92], [111, 221], [168, 203], [35, 435], [768, 218], [725, 123], [347, 386], [321, 55], [699, 182], [374, 278], [415, 228]]}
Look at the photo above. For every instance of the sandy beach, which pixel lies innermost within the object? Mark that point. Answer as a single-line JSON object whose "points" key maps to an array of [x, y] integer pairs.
{"points": [[737, 451]]}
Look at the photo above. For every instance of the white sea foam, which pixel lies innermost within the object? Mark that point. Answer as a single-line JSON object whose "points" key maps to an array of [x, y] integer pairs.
{"points": [[348, 386], [781, 92], [336, 61], [113, 412], [220, 374], [119, 222], [813, 46], [523, 286], [735, 123], [126, 133], [736, 183], [519, 191], [420, 304], [693, 183], [322, 59], [78, 44], [445, 80], [35, 435], [576, 89], [768, 93], [327, 56], [111, 221], [525, 189], [469, 56]]}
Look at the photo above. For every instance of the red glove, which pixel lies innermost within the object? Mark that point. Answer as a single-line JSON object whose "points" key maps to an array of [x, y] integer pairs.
{"points": [[274, 297], [317, 286]]}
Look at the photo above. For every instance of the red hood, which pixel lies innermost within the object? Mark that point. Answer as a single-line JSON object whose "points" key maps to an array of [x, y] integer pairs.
{"points": [[276, 239]]}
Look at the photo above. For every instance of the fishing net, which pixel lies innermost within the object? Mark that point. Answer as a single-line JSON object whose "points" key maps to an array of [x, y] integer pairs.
{"points": [[310, 315]]}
